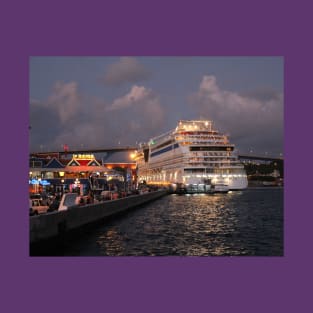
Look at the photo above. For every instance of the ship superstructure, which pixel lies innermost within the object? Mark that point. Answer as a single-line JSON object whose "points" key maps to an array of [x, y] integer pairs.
{"points": [[193, 155]]}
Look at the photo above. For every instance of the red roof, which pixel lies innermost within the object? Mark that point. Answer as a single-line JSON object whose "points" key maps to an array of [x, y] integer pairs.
{"points": [[82, 162]]}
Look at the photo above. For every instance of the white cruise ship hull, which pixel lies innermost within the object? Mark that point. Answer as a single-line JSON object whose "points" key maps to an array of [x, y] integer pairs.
{"points": [[194, 156], [168, 178]]}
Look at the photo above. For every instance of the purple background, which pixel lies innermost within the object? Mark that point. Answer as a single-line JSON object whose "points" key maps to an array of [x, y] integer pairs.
{"points": [[155, 284]]}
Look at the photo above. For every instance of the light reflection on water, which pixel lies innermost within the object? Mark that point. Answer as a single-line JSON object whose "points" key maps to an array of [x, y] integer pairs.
{"points": [[248, 222]]}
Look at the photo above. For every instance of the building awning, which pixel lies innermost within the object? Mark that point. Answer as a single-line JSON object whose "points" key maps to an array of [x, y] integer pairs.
{"points": [[76, 169], [67, 181], [45, 169]]}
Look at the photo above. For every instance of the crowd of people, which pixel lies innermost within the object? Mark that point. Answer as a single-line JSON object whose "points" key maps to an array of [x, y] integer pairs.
{"points": [[49, 201]]}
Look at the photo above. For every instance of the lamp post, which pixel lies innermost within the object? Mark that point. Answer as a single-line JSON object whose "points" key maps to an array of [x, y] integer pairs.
{"points": [[39, 180], [62, 182]]}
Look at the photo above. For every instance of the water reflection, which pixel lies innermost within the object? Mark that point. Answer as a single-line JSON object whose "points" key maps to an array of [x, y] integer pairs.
{"points": [[237, 223], [112, 241]]}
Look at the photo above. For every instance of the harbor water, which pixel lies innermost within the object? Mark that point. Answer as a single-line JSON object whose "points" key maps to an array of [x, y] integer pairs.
{"points": [[239, 223]]}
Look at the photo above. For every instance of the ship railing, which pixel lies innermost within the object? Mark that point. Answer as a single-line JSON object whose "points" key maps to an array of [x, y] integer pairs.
{"points": [[206, 137], [211, 158], [163, 135], [199, 139], [211, 161], [210, 165]]}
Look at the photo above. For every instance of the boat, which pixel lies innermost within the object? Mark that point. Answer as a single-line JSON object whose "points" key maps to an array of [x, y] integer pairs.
{"points": [[68, 200], [219, 188], [193, 157], [37, 206]]}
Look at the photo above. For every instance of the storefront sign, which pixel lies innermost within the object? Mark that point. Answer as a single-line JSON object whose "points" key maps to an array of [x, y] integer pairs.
{"points": [[37, 182], [83, 156], [44, 183]]}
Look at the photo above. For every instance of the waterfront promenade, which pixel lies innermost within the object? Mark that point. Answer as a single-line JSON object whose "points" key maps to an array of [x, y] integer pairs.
{"points": [[53, 224]]}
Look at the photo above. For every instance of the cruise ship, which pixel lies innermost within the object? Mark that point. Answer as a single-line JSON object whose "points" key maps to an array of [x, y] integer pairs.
{"points": [[193, 156]]}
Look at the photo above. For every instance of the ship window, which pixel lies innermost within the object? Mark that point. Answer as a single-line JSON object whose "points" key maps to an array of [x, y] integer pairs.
{"points": [[194, 170], [162, 145], [168, 148], [211, 148]]}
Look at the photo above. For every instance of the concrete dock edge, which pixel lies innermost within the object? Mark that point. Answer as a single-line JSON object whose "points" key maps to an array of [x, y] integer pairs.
{"points": [[53, 224]]}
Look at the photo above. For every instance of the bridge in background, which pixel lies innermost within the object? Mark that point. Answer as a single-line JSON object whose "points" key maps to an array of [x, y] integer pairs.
{"points": [[85, 151], [109, 151], [259, 158]]}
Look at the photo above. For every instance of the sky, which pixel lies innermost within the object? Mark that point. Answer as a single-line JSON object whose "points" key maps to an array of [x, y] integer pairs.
{"points": [[102, 102]]}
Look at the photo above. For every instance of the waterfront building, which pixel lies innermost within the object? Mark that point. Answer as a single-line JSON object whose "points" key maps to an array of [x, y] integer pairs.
{"points": [[52, 171]]}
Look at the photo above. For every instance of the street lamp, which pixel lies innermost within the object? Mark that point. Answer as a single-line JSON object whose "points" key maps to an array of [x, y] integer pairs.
{"points": [[63, 187]]}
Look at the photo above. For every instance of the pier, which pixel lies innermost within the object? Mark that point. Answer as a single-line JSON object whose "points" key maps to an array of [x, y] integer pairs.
{"points": [[54, 224]]}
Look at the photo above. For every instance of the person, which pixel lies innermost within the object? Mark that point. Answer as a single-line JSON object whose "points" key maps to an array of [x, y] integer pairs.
{"points": [[81, 201], [54, 205]]}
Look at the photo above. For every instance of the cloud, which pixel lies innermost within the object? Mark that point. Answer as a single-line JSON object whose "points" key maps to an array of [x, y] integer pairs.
{"points": [[126, 70], [141, 108], [81, 121], [65, 100], [253, 119], [143, 103], [139, 96], [262, 93], [136, 95], [45, 124]]}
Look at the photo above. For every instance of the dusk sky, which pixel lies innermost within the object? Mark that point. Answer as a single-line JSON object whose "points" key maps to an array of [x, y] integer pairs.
{"points": [[99, 102]]}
